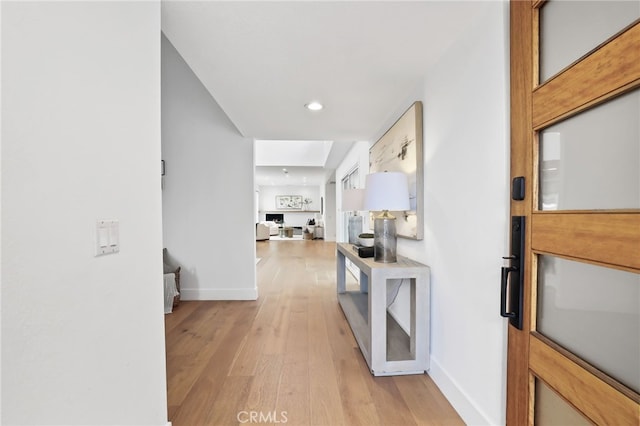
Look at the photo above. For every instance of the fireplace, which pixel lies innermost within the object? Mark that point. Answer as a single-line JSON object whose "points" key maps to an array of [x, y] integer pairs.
{"points": [[275, 217]]}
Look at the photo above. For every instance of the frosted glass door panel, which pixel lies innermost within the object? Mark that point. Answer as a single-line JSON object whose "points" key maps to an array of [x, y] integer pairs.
{"points": [[593, 312], [571, 29], [592, 160], [551, 410]]}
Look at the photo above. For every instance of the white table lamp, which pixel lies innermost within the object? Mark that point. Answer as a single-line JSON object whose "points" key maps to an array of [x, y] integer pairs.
{"points": [[384, 192]]}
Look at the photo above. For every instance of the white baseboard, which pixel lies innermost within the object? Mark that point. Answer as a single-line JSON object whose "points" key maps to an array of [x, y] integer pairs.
{"points": [[461, 402], [219, 293]]}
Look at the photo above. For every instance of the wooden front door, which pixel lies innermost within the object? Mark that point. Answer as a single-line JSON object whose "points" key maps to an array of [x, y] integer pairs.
{"points": [[575, 139]]}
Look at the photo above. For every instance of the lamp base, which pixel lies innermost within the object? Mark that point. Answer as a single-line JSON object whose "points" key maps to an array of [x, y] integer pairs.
{"points": [[385, 241], [355, 228]]}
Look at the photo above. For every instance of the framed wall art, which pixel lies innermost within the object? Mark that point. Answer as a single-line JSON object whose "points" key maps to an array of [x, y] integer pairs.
{"points": [[400, 150], [289, 202]]}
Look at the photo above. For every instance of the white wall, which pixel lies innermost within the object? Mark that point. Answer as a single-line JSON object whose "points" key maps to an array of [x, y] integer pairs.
{"points": [[82, 336], [466, 216], [330, 212], [208, 197]]}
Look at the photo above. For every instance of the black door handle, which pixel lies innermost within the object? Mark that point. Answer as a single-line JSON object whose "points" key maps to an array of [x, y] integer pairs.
{"points": [[512, 282]]}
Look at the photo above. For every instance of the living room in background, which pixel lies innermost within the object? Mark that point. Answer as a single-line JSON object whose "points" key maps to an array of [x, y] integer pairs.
{"points": [[275, 199]]}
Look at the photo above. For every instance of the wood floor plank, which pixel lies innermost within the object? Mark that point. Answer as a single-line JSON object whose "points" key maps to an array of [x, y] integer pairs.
{"points": [[247, 358], [276, 338], [180, 312], [190, 332], [230, 407], [208, 386], [264, 388], [358, 403], [391, 407], [290, 355], [194, 409], [326, 407], [184, 368], [293, 392], [425, 401]]}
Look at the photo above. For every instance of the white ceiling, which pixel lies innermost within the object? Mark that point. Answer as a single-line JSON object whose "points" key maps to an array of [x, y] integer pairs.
{"points": [[292, 153], [264, 60], [283, 163], [295, 176]]}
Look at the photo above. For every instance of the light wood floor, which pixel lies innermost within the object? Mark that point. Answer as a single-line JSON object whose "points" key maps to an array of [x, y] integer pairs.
{"points": [[288, 357]]}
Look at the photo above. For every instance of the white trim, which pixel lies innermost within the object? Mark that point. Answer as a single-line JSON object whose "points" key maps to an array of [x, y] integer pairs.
{"points": [[219, 294], [470, 412]]}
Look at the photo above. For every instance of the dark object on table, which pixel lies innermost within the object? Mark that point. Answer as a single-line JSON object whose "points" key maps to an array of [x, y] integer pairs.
{"points": [[363, 251]]}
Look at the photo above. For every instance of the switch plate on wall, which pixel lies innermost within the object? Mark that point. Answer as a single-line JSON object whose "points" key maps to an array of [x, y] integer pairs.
{"points": [[107, 237]]}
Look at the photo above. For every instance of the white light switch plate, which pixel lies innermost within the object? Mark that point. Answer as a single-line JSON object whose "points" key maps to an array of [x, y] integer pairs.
{"points": [[107, 237]]}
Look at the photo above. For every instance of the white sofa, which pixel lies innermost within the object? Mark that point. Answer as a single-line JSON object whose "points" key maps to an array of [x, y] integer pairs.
{"points": [[274, 228], [262, 232]]}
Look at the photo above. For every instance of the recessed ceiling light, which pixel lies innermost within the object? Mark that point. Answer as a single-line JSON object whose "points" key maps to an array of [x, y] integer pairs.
{"points": [[314, 106]]}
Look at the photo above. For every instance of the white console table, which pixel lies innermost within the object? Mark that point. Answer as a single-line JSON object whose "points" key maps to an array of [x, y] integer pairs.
{"points": [[386, 347]]}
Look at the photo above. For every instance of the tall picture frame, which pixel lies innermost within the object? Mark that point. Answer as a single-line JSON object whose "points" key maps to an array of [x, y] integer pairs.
{"points": [[400, 150]]}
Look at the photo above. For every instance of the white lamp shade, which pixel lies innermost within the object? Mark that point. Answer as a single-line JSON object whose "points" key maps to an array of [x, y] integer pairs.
{"points": [[387, 191], [352, 200]]}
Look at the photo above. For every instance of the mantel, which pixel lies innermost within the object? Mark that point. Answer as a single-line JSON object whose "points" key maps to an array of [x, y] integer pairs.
{"points": [[291, 211]]}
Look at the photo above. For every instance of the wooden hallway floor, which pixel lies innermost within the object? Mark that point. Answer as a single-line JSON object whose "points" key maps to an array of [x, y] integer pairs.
{"points": [[287, 358]]}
